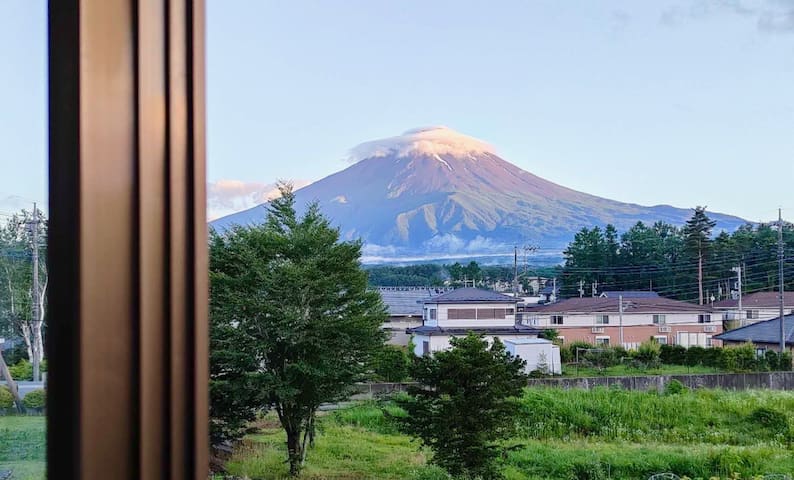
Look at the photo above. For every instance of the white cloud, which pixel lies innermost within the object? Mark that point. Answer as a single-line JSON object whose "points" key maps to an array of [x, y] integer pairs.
{"points": [[428, 141], [225, 197]]}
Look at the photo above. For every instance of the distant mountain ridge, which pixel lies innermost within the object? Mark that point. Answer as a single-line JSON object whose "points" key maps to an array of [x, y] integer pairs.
{"points": [[434, 192]]}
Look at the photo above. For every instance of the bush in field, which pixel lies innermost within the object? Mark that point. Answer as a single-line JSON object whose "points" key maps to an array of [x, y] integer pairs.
{"points": [[465, 405], [23, 370], [6, 398], [649, 354], [672, 354], [740, 359], [774, 420], [674, 387], [35, 399], [599, 358], [391, 364]]}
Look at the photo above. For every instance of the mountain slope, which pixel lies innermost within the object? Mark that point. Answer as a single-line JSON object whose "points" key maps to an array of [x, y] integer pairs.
{"points": [[436, 192]]}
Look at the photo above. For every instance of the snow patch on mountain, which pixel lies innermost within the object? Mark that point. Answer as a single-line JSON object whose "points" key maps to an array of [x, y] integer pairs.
{"points": [[429, 141]]}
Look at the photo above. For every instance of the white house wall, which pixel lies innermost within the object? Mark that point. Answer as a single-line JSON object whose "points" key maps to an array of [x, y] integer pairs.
{"points": [[629, 319], [442, 317]]}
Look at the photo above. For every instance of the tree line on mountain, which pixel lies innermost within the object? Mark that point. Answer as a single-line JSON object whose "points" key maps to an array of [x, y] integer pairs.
{"points": [[455, 274], [684, 263]]}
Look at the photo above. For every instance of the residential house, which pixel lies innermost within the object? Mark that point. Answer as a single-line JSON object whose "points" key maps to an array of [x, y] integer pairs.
{"points": [[764, 334], [756, 307], [404, 305], [460, 311], [597, 321]]}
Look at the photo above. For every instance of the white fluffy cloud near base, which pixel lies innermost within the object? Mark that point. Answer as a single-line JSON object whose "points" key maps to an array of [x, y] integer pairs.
{"points": [[225, 197]]}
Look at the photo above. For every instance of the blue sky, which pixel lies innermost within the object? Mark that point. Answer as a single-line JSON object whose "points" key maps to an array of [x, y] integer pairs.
{"points": [[686, 103]]}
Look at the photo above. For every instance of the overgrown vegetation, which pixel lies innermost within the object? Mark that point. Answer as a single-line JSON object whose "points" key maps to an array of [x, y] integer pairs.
{"points": [[565, 435], [651, 357]]}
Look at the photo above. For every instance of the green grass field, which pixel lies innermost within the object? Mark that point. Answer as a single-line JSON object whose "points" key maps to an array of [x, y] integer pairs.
{"points": [[563, 434], [22, 447]]}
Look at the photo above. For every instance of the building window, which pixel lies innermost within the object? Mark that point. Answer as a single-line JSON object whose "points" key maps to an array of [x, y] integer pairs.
{"points": [[760, 351], [659, 319], [602, 319], [602, 341], [490, 313], [556, 319], [661, 339], [462, 314], [425, 347], [432, 314], [704, 318], [509, 311], [752, 314]]}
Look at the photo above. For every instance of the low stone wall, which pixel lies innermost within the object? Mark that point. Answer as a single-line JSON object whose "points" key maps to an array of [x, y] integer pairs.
{"points": [[727, 381]]}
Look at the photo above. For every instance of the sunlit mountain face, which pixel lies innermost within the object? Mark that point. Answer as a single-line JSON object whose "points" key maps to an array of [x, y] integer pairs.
{"points": [[435, 193]]}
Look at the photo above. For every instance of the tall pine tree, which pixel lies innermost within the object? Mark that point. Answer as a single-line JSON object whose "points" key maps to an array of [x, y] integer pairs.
{"points": [[697, 235]]}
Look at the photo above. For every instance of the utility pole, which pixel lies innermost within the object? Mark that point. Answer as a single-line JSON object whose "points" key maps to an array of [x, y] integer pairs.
{"points": [[581, 288], [554, 288], [620, 309], [781, 284], [515, 272], [738, 270], [34, 226]]}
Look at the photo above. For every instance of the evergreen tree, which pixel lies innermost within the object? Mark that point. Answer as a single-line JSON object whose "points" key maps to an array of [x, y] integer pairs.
{"points": [[697, 235], [291, 310], [465, 404]]}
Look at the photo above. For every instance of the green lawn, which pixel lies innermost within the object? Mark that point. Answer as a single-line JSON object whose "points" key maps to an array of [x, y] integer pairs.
{"points": [[563, 434], [22, 446]]}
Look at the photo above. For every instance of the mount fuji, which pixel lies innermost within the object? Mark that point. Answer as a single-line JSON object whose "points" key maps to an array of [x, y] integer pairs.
{"points": [[436, 193]]}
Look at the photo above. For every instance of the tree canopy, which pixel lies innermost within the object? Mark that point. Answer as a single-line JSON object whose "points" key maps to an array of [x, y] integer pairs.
{"points": [[293, 322], [465, 404]]}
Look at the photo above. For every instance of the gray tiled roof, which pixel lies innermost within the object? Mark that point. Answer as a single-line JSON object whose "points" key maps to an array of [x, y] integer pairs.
{"points": [[408, 300], [758, 300], [761, 332], [629, 294], [473, 295]]}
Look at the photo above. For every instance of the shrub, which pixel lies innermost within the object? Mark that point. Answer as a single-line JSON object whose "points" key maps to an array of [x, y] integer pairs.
{"points": [[391, 364], [770, 418], [588, 470], [674, 387], [6, 398], [672, 354], [35, 399], [23, 370], [649, 353], [600, 359]]}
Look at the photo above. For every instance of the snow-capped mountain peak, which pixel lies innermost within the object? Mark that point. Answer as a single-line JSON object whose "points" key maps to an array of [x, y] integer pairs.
{"points": [[431, 141]]}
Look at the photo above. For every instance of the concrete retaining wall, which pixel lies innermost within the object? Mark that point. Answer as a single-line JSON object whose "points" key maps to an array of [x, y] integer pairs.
{"points": [[728, 381]]}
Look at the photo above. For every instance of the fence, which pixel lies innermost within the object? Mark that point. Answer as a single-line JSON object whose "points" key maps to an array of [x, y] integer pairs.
{"points": [[727, 381]]}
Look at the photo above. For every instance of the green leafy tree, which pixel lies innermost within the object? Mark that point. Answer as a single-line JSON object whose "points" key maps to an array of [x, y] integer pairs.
{"points": [[697, 233], [294, 297], [465, 404], [392, 364]]}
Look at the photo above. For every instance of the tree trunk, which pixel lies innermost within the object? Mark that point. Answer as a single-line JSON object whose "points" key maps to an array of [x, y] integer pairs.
{"points": [[12, 385], [294, 451], [26, 337]]}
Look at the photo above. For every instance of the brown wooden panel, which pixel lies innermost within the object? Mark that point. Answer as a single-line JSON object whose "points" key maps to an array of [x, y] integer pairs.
{"points": [[128, 329]]}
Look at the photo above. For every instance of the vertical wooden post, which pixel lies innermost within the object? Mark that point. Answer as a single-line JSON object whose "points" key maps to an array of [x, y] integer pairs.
{"points": [[127, 346]]}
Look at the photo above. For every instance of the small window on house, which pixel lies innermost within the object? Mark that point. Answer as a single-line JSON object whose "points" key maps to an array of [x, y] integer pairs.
{"points": [[602, 319], [425, 347], [661, 339], [752, 314], [659, 319], [510, 311], [602, 341], [704, 318], [556, 319], [760, 351], [432, 314]]}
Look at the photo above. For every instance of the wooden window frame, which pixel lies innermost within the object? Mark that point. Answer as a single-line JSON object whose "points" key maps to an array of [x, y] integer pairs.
{"points": [[128, 335]]}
